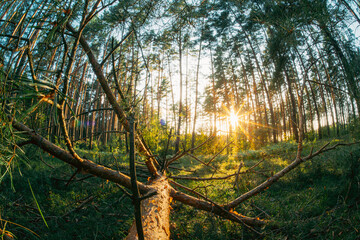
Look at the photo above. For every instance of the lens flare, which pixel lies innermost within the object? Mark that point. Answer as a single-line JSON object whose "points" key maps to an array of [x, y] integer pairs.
{"points": [[233, 118]]}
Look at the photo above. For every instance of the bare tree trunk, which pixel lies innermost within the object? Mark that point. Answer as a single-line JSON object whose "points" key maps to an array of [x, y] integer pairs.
{"points": [[196, 98], [186, 117], [293, 107], [249, 99], [310, 109], [177, 141], [93, 116], [316, 111], [155, 213], [172, 92], [283, 113], [214, 94]]}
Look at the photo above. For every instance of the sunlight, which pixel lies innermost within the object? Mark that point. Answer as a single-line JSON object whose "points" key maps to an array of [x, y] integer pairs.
{"points": [[233, 118], [238, 121]]}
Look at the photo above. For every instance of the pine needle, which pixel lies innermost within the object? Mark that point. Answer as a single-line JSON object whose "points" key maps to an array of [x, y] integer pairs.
{"points": [[37, 204]]}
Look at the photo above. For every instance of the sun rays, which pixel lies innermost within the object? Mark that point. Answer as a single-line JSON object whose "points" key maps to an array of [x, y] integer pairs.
{"points": [[238, 120]]}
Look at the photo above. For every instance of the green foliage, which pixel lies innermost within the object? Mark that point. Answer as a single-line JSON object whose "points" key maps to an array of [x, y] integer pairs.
{"points": [[247, 41], [317, 200], [106, 215], [354, 128], [156, 135]]}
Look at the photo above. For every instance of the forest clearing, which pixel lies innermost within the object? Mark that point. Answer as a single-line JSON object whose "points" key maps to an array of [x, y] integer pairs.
{"points": [[179, 119]]}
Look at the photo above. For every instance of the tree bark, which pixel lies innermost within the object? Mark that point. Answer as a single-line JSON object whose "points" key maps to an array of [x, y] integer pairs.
{"points": [[293, 107], [155, 213], [177, 141], [196, 97]]}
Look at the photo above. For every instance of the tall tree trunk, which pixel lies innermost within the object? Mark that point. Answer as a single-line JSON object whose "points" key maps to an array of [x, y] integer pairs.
{"points": [[310, 109], [172, 93], [267, 93], [249, 99], [293, 119], [177, 141], [196, 97], [283, 114], [316, 111], [322, 95], [93, 115], [186, 117], [214, 95], [348, 71]]}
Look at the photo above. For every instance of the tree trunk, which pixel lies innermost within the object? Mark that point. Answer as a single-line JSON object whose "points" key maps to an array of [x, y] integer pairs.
{"points": [[348, 71], [155, 213], [293, 107], [213, 93], [267, 93], [196, 98], [177, 142], [316, 111], [310, 109], [283, 114]]}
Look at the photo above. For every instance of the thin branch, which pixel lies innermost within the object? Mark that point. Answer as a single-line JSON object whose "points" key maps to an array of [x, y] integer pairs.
{"points": [[210, 206], [179, 154], [202, 179], [95, 110], [250, 170], [197, 159], [116, 46], [263, 186], [237, 175], [134, 186], [217, 154], [327, 85], [86, 165], [85, 201], [97, 68]]}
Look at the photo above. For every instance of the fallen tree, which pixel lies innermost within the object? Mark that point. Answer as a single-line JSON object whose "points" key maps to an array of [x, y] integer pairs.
{"points": [[151, 199], [155, 209]]}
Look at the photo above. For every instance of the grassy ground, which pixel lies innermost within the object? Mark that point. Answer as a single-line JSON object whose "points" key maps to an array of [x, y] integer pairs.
{"points": [[318, 200]]}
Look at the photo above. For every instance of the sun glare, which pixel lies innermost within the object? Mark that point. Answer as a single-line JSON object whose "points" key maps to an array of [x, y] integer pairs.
{"points": [[238, 121], [233, 118]]}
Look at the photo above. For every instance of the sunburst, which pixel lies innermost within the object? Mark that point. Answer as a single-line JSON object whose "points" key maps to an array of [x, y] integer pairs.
{"points": [[238, 119]]}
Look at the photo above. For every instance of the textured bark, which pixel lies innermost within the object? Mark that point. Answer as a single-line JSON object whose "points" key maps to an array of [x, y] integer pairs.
{"points": [[310, 109], [155, 213], [177, 141], [293, 119]]}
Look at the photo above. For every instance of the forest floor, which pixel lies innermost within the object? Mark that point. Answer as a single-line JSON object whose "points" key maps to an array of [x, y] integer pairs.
{"points": [[318, 200]]}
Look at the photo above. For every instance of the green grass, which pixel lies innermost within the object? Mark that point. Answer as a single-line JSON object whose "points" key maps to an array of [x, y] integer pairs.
{"points": [[107, 216], [318, 200]]}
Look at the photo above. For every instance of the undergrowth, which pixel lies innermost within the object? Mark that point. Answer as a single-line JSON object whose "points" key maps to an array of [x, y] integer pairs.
{"points": [[318, 200]]}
